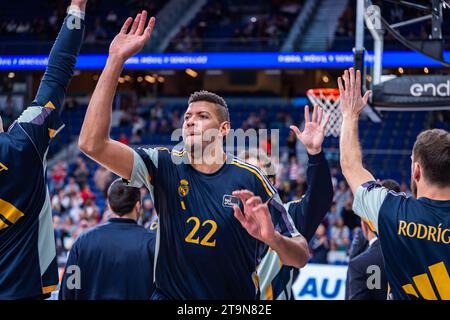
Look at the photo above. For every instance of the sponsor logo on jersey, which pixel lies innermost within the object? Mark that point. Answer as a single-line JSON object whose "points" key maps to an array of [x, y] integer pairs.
{"points": [[230, 201], [422, 282]]}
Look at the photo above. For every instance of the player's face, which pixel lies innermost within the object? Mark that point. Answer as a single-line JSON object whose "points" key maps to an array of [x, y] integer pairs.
{"points": [[202, 126]]}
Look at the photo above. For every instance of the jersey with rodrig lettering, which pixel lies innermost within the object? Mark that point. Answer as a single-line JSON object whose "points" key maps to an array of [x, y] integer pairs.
{"points": [[415, 240]]}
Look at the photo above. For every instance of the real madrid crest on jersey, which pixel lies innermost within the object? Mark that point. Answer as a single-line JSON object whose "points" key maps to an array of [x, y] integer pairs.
{"points": [[183, 189]]}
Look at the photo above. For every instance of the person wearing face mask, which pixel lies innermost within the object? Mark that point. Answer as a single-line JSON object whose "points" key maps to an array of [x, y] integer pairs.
{"points": [[112, 261]]}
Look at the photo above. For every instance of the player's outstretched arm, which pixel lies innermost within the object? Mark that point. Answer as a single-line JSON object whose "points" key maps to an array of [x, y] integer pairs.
{"points": [[94, 137], [257, 220], [63, 57], [351, 105], [41, 121], [310, 211]]}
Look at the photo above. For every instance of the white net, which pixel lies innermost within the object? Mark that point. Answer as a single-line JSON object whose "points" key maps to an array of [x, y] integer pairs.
{"points": [[328, 100]]}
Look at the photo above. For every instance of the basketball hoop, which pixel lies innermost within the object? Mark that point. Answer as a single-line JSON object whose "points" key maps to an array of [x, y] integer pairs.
{"points": [[328, 100]]}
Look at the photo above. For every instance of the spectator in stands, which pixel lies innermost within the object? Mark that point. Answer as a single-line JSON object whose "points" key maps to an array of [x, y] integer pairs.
{"points": [[291, 142], [72, 187], [81, 172], [319, 246], [405, 189], [351, 220], [59, 235], [102, 179], [86, 193], [116, 258], [293, 171], [100, 32], [149, 214], [111, 19], [341, 196], [340, 236], [58, 174], [332, 215]]}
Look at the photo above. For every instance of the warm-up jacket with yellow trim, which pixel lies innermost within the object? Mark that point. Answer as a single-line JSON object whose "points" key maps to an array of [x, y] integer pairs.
{"points": [[28, 267]]}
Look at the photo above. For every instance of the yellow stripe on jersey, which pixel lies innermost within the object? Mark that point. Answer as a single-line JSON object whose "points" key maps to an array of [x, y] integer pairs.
{"points": [[49, 289], [50, 105], [423, 284], [269, 292], [179, 153], [3, 167], [256, 173], [51, 132], [441, 279], [3, 225], [10, 212], [255, 279], [183, 206], [370, 224], [409, 289]]}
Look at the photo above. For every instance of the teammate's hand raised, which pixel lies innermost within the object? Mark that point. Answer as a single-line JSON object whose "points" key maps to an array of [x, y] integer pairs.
{"points": [[130, 41], [256, 218], [351, 101], [314, 131]]}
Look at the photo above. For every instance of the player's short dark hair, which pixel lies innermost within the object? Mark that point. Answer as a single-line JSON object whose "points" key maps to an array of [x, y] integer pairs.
{"points": [[391, 185], [122, 198], [432, 151], [221, 105]]}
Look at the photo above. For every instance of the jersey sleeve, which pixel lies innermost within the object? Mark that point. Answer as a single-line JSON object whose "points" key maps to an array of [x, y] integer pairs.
{"points": [[281, 219], [41, 121], [41, 125], [262, 186], [367, 202], [145, 167], [308, 212]]}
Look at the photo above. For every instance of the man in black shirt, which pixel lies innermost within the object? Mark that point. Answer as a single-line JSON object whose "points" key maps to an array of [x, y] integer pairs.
{"points": [[114, 260]]}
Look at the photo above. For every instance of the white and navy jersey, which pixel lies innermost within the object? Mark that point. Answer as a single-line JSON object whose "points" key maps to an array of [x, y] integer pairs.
{"points": [[202, 251], [307, 213], [28, 265], [415, 240]]}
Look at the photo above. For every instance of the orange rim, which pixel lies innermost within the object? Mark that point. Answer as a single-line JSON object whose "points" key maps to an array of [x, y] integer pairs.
{"points": [[329, 92]]}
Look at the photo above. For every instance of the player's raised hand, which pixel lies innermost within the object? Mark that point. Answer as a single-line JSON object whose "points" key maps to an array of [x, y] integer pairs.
{"points": [[351, 101], [256, 218], [130, 41], [314, 131]]}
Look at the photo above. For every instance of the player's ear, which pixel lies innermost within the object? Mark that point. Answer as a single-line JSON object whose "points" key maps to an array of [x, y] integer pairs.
{"points": [[138, 206], [225, 128], [417, 171]]}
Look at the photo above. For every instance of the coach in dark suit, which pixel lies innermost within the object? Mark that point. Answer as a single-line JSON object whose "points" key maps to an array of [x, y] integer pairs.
{"points": [[113, 261], [359, 271]]}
